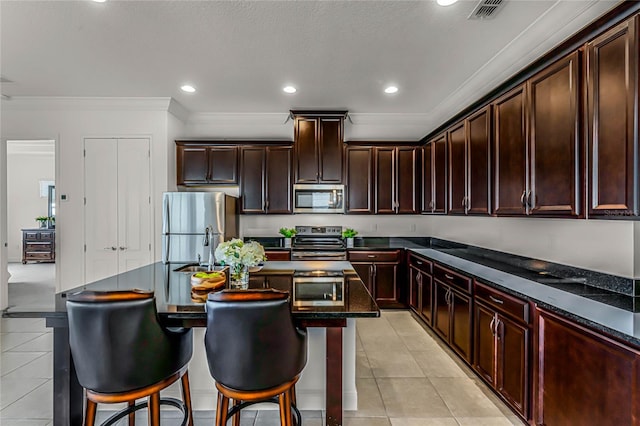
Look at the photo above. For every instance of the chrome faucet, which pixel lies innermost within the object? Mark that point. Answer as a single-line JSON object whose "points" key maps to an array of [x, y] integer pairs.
{"points": [[208, 242]]}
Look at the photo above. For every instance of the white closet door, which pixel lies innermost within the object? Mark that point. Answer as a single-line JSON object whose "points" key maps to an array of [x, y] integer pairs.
{"points": [[134, 207], [101, 208]]}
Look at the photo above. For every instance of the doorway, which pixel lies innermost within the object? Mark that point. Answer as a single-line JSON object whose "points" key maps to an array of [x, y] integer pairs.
{"points": [[30, 232]]}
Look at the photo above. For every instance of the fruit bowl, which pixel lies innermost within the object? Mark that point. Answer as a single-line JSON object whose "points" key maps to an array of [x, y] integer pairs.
{"points": [[208, 280]]}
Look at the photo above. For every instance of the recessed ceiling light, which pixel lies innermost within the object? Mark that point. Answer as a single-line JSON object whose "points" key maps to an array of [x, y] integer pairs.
{"points": [[391, 89], [99, 1], [188, 88], [446, 2], [289, 89]]}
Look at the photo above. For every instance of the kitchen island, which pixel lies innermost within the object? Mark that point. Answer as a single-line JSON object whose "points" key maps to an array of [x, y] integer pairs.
{"points": [[332, 316]]}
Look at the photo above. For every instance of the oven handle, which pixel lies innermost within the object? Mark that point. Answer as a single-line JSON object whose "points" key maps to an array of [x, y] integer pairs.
{"points": [[316, 254]]}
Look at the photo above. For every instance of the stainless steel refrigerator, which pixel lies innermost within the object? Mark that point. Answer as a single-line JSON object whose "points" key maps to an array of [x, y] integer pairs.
{"points": [[186, 218]]}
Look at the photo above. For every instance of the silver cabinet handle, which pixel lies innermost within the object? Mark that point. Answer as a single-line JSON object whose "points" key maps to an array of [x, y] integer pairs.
{"points": [[418, 262], [111, 248], [122, 248], [493, 320], [497, 324], [463, 201], [372, 256], [419, 278], [529, 200], [449, 277], [524, 192], [495, 299]]}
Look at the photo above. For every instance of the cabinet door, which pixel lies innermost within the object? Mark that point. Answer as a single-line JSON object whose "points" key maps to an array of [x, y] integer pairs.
{"points": [[441, 317], [192, 165], [359, 179], [426, 297], [457, 170], [512, 363], [440, 175], [278, 180], [427, 199], [583, 377], [554, 153], [510, 153], [330, 150], [252, 185], [365, 272], [386, 284], [385, 180], [479, 162], [484, 362], [306, 150], [407, 180], [223, 165], [415, 284], [461, 320], [134, 204], [612, 70]]}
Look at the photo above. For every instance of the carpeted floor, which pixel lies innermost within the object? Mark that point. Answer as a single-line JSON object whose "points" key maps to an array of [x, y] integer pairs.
{"points": [[31, 287]]}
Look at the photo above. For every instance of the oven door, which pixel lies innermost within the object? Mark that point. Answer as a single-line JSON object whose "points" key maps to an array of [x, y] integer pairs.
{"points": [[318, 198], [318, 255], [318, 291]]}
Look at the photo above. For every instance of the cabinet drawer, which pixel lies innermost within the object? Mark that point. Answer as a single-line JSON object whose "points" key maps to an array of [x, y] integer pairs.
{"points": [[420, 263], [36, 246], [38, 255], [374, 256], [452, 278], [47, 235], [31, 235], [278, 255], [509, 305]]}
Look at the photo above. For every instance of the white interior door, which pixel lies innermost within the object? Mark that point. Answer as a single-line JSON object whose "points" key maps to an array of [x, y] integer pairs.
{"points": [[101, 208], [118, 216], [134, 204]]}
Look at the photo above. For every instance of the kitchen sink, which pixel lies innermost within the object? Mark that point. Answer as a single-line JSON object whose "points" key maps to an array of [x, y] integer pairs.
{"points": [[192, 268]]}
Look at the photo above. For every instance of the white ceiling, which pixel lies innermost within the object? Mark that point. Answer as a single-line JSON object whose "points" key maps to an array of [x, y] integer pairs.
{"points": [[239, 54]]}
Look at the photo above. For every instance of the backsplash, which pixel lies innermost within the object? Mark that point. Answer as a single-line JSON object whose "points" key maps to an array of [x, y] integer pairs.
{"points": [[599, 245]]}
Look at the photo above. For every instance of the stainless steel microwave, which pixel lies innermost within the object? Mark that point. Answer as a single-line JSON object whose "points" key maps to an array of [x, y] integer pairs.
{"points": [[313, 198]]}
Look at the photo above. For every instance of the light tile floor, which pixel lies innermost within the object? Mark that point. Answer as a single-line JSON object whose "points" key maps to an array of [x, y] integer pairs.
{"points": [[405, 377]]}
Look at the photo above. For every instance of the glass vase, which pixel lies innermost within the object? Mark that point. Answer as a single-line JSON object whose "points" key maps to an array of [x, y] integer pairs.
{"points": [[239, 277]]}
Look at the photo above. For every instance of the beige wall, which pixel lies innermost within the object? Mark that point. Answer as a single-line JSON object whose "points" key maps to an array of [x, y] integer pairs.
{"points": [[69, 121], [606, 246]]}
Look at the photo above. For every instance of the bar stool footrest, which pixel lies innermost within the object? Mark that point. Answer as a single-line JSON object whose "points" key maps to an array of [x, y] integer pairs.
{"points": [[237, 408], [173, 402]]}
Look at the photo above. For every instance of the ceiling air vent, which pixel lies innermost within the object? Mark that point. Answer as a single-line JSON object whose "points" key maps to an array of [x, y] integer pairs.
{"points": [[487, 9]]}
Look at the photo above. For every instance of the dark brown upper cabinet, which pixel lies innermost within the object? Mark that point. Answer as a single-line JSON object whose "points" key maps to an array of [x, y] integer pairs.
{"points": [[201, 164], [537, 144], [612, 104], [396, 182], [555, 167], [510, 153], [434, 176], [319, 147], [457, 169], [359, 179], [265, 184]]}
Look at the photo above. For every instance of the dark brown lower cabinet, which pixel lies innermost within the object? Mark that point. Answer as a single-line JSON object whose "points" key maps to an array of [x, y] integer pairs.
{"points": [[501, 345], [452, 318], [421, 287], [584, 377], [284, 255], [379, 270]]}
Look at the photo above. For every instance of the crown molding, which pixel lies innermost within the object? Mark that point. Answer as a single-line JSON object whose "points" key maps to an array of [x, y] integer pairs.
{"points": [[63, 103], [255, 118], [178, 110]]}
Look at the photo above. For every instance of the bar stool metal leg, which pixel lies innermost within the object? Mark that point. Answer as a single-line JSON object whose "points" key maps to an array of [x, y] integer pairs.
{"points": [[186, 396]]}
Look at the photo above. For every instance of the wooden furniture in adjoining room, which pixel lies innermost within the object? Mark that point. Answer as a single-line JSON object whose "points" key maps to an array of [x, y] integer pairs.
{"points": [[38, 245]]}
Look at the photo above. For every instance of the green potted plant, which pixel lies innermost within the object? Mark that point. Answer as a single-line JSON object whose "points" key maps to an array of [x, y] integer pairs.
{"points": [[349, 234], [43, 221], [287, 233]]}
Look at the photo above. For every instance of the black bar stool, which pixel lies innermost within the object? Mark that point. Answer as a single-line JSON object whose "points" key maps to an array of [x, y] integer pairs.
{"points": [[254, 351], [122, 353]]}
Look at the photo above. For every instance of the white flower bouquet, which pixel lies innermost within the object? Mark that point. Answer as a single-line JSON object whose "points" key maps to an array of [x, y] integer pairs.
{"points": [[239, 256]]}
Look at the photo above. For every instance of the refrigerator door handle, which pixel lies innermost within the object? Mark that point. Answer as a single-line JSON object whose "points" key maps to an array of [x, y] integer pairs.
{"points": [[167, 222], [167, 246]]}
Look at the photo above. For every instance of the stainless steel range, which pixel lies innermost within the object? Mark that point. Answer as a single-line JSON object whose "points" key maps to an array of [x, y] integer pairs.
{"points": [[318, 243]]}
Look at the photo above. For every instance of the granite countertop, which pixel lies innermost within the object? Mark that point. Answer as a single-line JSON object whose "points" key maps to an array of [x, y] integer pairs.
{"points": [[174, 300]]}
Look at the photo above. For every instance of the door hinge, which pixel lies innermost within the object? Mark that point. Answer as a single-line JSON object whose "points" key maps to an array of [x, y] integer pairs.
{"points": [[149, 246], [149, 199], [85, 248], [84, 152], [85, 201], [149, 153]]}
